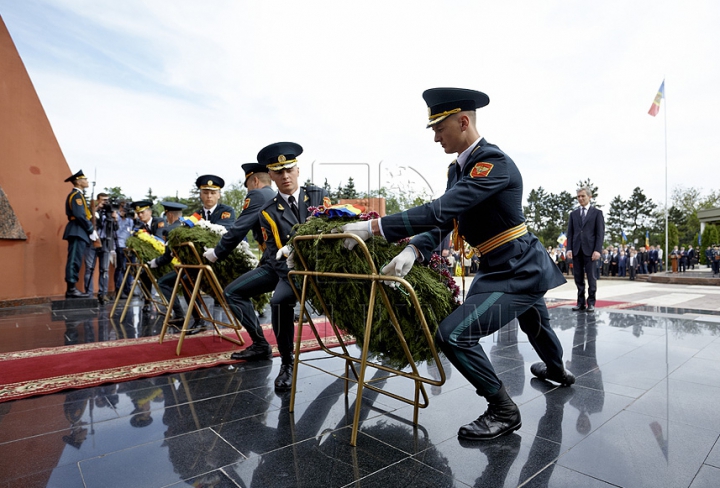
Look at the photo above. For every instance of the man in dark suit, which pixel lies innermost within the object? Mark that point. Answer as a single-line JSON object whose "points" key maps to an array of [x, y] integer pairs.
{"points": [[79, 231], [482, 203], [652, 260], [586, 231], [277, 217]]}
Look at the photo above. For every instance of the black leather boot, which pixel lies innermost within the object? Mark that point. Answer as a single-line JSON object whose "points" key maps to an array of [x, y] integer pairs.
{"points": [[501, 417], [73, 292]]}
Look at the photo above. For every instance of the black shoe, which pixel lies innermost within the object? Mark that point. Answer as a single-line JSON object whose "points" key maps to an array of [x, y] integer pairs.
{"points": [[590, 309], [197, 326], [283, 382], [73, 292], [501, 417], [256, 352], [565, 377], [578, 308], [102, 299]]}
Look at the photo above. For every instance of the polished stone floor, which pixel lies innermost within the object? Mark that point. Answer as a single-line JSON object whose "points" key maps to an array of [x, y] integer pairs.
{"points": [[643, 413]]}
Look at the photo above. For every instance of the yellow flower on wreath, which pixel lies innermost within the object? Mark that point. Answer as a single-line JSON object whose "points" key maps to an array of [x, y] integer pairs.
{"points": [[143, 235]]}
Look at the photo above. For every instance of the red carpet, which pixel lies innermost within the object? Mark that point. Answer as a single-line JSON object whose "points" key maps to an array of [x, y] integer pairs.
{"points": [[49, 370]]}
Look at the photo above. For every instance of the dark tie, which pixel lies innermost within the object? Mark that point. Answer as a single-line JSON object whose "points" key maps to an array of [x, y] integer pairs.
{"points": [[294, 208], [207, 215], [582, 214]]}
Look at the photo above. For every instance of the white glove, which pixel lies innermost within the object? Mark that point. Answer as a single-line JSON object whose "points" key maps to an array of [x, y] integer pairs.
{"points": [[113, 258], [400, 264], [210, 255], [94, 236], [361, 229], [288, 253], [153, 263]]}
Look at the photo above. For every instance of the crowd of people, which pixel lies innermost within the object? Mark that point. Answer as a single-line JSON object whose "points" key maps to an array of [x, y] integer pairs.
{"points": [[627, 262]]}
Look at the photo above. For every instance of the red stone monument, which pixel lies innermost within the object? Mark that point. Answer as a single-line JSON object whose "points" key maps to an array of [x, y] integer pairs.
{"points": [[32, 170]]}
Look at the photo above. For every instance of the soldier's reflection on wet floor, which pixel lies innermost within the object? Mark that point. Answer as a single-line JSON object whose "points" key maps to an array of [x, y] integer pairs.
{"points": [[583, 362], [312, 441], [200, 400]]}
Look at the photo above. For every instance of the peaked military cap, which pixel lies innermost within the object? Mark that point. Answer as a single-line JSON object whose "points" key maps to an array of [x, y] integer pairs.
{"points": [[209, 182], [141, 205], [171, 206], [252, 168], [77, 176], [280, 155], [443, 102]]}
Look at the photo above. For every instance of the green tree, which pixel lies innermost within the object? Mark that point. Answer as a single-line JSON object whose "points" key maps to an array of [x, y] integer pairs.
{"points": [[116, 192], [616, 220], [349, 191], [640, 210], [547, 214], [150, 195], [234, 195], [710, 236], [536, 202], [673, 236]]}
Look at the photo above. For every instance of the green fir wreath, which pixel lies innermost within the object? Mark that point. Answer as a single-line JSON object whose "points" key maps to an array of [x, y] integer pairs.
{"points": [[148, 251], [347, 299], [205, 235]]}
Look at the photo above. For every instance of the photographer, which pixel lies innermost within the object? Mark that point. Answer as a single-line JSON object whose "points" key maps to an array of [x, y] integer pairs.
{"points": [[125, 221], [106, 227]]}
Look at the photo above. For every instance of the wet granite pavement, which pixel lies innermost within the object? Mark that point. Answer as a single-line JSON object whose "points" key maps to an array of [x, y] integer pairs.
{"points": [[642, 413]]}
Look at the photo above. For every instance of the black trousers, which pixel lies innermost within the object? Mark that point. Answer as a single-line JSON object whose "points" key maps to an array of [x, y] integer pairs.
{"points": [[485, 313], [264, 279], [76, 253], [584, 265]]}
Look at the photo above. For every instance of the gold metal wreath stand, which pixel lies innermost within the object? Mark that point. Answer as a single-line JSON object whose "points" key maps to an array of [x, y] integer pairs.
{"points": [[191, 286], [420, 398], [135, 268]]}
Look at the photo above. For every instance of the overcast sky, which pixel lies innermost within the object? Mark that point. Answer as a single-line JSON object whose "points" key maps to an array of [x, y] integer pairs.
{"points": [[152, 93]]}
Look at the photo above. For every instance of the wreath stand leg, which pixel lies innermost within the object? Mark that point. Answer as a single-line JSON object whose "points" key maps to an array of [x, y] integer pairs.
{"points": [[420, 398], [193, 277], [136, 268]]}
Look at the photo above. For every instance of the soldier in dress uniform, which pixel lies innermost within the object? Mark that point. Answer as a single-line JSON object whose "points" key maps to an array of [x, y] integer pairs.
{"points": [[79, 231], [277, 217], [145, 220], [259, 186], [483, 204], [213, 211]]}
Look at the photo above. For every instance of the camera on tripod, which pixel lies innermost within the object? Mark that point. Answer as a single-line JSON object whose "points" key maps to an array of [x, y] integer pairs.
{"points": [[129, 210], [110, 206]]}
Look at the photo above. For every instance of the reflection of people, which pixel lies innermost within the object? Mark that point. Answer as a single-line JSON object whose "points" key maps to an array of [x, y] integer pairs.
{"points": [[143, 393], [542, 452], [585, 235], [583, 361], [74, 408], [79, 231], [277, 218], [483, 204]]}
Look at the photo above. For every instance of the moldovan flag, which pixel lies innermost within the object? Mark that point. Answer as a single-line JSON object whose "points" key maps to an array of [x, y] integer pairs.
{"points": [[562, 239], [655, 107], [647, 239]]}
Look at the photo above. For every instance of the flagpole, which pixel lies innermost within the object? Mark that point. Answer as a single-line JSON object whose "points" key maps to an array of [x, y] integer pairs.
{"points": [[667, 254]]}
